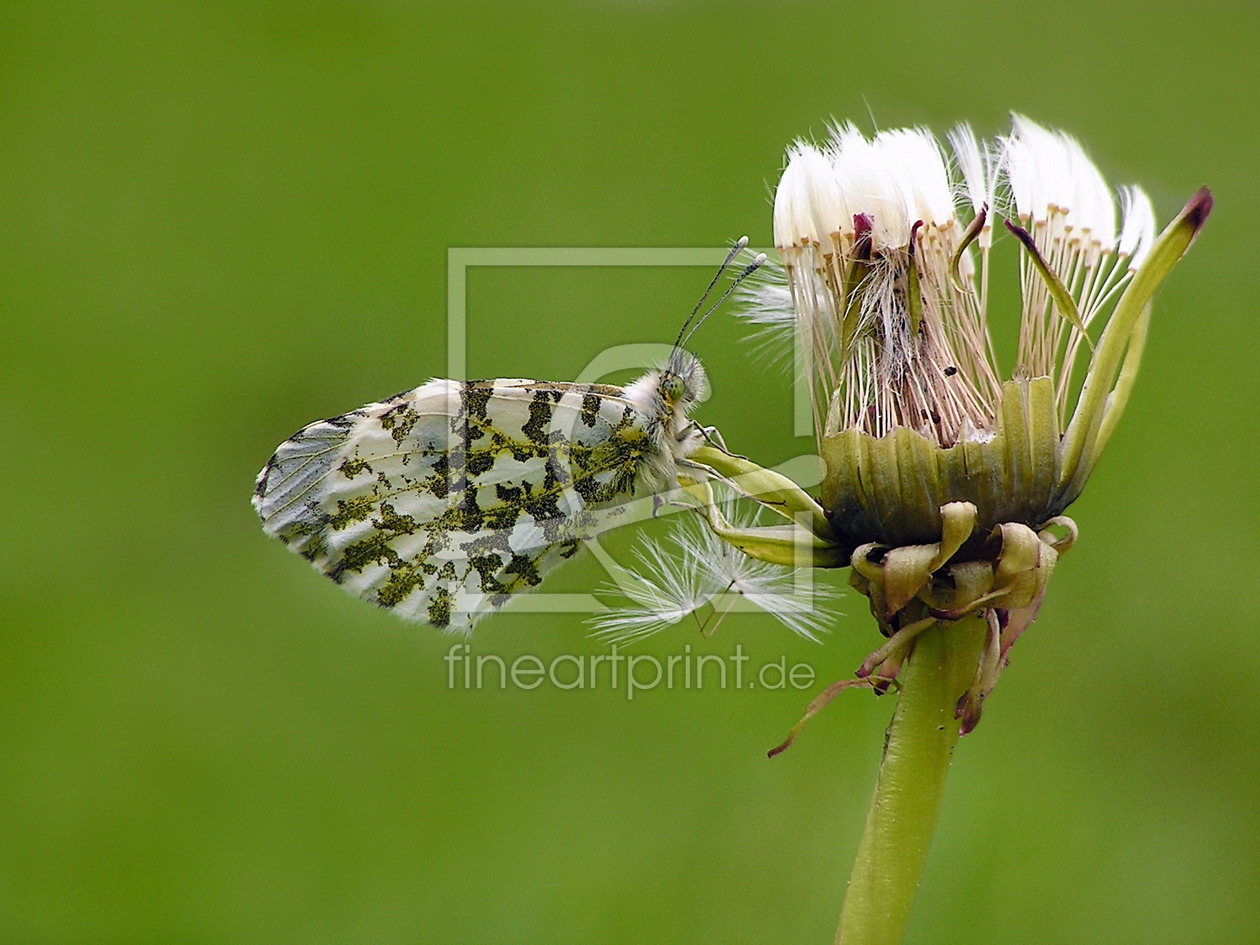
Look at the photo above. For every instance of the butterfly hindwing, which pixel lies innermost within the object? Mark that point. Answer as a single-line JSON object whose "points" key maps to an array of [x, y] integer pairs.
{"points": [[442, 502]]}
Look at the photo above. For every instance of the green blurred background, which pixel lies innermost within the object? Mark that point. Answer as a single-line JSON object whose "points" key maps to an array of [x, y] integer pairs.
{"points": [[221, 221]]}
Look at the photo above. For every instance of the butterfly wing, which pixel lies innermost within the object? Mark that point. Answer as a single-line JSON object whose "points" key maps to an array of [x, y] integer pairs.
{"points": [[442, 502]]}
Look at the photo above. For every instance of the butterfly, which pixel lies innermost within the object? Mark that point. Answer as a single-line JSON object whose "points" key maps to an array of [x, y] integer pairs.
{"points": [[442, 502]]}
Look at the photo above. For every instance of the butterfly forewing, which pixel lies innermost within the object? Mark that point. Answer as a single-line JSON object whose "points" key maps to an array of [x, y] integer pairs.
{"points": [[442, 502]]}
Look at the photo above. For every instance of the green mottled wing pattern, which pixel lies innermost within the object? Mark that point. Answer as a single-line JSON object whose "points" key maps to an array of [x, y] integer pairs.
{"points": [[442, 502]]}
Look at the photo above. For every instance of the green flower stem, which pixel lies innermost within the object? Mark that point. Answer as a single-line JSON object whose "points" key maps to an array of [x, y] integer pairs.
{"points": [[917, 752]]}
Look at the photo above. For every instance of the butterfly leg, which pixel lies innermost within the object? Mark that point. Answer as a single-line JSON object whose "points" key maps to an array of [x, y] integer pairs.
{"points": [[714, 437], [708, 434], [699, 471]]}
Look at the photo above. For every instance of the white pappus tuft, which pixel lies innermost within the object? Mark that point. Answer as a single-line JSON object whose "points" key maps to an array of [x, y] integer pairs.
{"points": [[764, 301], [692, 568], [885, 250]]}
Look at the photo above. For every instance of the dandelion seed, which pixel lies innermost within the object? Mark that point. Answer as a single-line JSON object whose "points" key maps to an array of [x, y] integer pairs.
{"points": [[764, 301], [662, 588], [693, 567]]}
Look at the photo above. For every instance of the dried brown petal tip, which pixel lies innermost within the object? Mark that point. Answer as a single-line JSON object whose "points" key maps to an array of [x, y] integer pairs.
{"points": [[1197, 210]]}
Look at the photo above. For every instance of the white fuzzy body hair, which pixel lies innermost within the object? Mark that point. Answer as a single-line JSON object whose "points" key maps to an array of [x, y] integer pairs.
{"points": [[665, 416]]}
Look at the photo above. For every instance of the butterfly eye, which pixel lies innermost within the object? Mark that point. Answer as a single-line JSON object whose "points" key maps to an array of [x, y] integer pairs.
{"points": [[674, 389]]}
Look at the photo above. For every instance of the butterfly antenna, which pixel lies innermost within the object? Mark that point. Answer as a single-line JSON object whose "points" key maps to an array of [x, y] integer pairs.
{"points": [[748, 271], [735, 250]]}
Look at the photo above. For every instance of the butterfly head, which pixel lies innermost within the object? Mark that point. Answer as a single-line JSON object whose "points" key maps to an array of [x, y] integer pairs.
{"points": [[683, 383], [671, 392]]}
